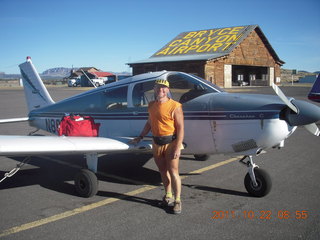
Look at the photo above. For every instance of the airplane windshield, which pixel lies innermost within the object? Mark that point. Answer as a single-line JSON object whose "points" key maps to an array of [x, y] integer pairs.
{"points": [[184, 87], [209, 83]]}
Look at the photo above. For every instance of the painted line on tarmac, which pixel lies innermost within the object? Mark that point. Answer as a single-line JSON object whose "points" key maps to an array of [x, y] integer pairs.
{"points": [[105, 202]]}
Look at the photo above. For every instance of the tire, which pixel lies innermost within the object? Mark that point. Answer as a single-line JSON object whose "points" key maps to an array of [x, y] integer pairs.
{"points": [[201, 157], [86, 183], [264, 183]]}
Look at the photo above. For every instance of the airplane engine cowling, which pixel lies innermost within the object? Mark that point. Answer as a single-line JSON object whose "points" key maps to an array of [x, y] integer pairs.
{"points": [[307, 113]]}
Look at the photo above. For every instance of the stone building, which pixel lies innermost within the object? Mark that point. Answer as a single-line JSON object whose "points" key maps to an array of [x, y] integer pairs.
{"points": [[229, 56]]}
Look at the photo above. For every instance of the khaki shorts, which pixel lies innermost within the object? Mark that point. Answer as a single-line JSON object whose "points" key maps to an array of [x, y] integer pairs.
{"points": [[164, 150]]}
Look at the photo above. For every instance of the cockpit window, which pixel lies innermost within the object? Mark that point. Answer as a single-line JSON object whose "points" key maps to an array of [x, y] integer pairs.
{"points": [[184, 87], [142, 94], [116, 99]]}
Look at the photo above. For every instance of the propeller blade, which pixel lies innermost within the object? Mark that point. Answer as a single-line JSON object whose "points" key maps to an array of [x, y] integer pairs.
{"points": [[313, 128], [284, 98]]}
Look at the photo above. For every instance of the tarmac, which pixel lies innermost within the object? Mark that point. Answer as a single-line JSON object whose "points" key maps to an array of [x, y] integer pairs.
{"points": [[39, 201]]}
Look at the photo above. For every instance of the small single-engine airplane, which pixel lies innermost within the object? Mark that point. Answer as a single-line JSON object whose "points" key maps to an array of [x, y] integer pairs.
{"points": [[314, 94], [216, 122]]}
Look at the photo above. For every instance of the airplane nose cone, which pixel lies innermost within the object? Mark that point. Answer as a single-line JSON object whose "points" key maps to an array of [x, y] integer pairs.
{"points": [[307, 113]]}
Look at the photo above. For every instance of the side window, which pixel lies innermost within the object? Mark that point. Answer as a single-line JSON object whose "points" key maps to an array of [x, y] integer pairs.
{"points": [[184, 88], [116, 99], [142, 94]]}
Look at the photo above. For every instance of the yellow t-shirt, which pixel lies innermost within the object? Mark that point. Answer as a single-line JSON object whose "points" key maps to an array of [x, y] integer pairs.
{"points": [[161, 117]]}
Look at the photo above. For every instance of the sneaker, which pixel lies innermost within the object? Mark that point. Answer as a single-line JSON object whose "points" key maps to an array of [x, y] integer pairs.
{"points": [[167, 201], [177, 207]]}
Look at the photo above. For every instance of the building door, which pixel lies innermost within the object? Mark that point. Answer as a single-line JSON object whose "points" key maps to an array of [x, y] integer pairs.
{"points": [[227, 76], [250, 75]]}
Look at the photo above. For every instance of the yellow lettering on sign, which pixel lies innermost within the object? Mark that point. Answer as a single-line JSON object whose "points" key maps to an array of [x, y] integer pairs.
{"points": [[203, 48], [232, 38], [213, 32], [180, 50], [199, 34], [223, 38], [169, 53], [210, 39], [214, 47], [191, 48], [187, 42], [175, 43], [190, 35], [235, 30], [224, 31], [164, 51], [198, 41], [227, 45]]}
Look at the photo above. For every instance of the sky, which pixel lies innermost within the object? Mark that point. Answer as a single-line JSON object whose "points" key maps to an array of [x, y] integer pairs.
{"points": [[107, 34]]}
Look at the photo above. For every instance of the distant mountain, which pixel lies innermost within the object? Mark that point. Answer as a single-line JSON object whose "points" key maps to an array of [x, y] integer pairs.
{"points": [[120, 73], [57, 72], [288, 75], [9, 76]]}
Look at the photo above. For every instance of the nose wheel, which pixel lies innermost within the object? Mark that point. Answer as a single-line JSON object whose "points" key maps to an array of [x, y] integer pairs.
{"points": [[257, 181]]}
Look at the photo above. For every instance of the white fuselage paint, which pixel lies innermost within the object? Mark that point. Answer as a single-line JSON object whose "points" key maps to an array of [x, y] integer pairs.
{"points": [[201, 136]]}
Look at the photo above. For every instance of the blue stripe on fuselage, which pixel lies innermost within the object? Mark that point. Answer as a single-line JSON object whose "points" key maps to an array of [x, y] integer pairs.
{"points": [[203, 115]]}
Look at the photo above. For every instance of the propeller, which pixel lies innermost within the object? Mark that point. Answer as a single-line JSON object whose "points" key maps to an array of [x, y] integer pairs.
{"points": [[304, 113], [284, 98], [313, 129]]}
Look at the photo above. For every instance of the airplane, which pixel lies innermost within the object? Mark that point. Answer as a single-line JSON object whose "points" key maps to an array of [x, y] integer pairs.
{"points": [[314, 94], [216, 122]]}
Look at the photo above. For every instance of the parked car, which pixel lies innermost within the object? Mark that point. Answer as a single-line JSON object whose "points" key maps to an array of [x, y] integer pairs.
{"points": [[74, 82]]}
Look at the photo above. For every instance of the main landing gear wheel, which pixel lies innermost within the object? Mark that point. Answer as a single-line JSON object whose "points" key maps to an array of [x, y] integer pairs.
{"points": [[201, 157], [263, 180], [86, 183]]}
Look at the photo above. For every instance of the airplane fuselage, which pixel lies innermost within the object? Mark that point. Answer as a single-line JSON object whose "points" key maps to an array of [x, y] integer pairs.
{"points": [[222, 122]]}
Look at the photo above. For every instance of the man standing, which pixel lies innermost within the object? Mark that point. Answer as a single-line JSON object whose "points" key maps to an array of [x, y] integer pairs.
{"points": [[167, 126]]}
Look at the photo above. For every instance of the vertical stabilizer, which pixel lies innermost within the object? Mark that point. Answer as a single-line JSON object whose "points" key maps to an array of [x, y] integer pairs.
{"points": [[314, 94], [36, 93]]}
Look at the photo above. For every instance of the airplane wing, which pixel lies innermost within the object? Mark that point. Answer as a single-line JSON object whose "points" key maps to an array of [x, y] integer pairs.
{"points": [[13, 120], [54, 145]]}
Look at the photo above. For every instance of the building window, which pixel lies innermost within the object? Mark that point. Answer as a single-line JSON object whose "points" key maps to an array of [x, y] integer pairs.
{"points": [[264, 77]]}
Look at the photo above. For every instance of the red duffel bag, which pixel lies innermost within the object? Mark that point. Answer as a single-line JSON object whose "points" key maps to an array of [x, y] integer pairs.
{"points": [[78, 126]]}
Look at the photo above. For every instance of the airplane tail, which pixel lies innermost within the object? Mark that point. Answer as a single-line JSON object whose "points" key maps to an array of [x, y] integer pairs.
{"points": [[36, 93], [314, 94]]}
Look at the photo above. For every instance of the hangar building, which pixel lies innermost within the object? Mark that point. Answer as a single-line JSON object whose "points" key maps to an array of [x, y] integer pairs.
{"points": [[229, 56]]}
